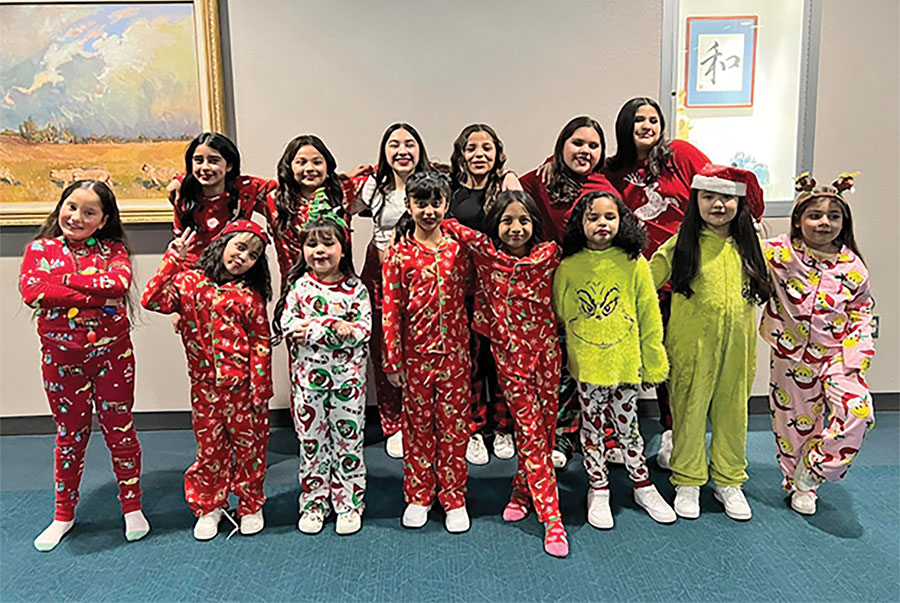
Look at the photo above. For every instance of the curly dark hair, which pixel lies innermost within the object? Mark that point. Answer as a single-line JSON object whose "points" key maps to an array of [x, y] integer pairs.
{"points": [[192, 190], [686, 258], [626, 151], [631, 237], [289, 189], [565, 185], [257, 277], [495, 213], [320, 227], [845, 237], [459, 173]]}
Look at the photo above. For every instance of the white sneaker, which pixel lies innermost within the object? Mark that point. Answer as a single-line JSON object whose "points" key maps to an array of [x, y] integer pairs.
{"points": [[732, 497], [394, 445], [599, 514], [616, 456], [804, 479], [415, 516], [687, 501], [804, 503], [476, 451], [653, 503], [457, 520], [348, 523], [664, 456], [504, 446], [253, 523], [311, 520], [559, 459], [207, 526]]}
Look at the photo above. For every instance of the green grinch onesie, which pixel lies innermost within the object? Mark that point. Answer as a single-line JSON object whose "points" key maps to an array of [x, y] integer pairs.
{"points": [[711, 341]]}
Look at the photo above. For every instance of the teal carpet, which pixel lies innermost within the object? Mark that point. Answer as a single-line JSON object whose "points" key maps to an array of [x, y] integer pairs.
{"points": [[848, 551]]}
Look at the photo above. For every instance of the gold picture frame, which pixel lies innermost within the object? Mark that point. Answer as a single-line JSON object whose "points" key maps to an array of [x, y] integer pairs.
{"points": [[149, 204]]}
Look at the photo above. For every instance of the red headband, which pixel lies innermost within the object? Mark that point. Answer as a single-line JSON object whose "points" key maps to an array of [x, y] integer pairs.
{"points": [[246, 226]]}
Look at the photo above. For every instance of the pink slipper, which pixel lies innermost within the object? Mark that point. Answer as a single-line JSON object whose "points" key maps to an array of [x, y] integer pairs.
{"points": [[514, 511], [555, 541]]}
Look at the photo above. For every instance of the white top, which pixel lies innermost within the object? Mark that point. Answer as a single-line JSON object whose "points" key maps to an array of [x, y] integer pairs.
{"points": [[386, 211]]}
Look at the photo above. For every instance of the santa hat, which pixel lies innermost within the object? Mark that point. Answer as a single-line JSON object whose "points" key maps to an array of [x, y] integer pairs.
{"points": [[246, 226], [731, 181]]}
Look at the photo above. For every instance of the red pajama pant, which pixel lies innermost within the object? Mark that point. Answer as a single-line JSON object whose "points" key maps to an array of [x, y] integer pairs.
{"points": [[436, 428], [75, 382], [486, 399], [530, 383], [232, 438]]}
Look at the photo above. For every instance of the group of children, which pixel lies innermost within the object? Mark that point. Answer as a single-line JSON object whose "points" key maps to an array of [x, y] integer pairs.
{"points": [[596, 285]]}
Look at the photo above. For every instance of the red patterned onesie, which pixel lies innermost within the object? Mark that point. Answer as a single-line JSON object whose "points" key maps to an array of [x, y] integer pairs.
{"points": [[225, 332], [426, 336], [78, 290], [514, 309]]}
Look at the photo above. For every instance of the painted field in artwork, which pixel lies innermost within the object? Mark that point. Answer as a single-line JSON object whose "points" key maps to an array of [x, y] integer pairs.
{"points": [[104, 91]]}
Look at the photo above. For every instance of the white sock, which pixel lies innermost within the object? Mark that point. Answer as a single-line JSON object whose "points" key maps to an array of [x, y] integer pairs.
{"points": [[136, 525], [49, 538]]}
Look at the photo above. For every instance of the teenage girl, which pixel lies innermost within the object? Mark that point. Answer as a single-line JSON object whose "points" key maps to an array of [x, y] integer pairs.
{"points": [[604, 296], [654, 176], [383, 196], [426, 351], [513, 311], [325, 310], [477, 178], [225, 331], [717, 273], [819, 324], [574, 170], [76, 274]]}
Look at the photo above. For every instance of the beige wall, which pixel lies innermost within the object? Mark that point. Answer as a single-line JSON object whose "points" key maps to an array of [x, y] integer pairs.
{"points": [[368, 73]]}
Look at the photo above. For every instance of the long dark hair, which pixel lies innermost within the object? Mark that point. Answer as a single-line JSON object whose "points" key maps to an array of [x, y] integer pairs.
{"points": [[192, 190], [459, 172], [626, 151], [631, 236], [289, 189], [686, 259], [384, 175], [495, 213], [422, 185], [845, 237], [257, 277], [314, 228], [565, 185]]}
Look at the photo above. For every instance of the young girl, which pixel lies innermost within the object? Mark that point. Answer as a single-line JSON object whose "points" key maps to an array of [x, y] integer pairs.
{"points": [[717, 273], [306, 167], [604, 296], [212, 192], [574, 170], [426, 351], [222, 302], [653, 175], [401, 154], [819, 324], [477, 178], [325, 310], [76, 274], [513, 311]]}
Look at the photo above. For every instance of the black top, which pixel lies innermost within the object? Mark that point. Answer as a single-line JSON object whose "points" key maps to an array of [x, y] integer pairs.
{"points": [[467, 206]]}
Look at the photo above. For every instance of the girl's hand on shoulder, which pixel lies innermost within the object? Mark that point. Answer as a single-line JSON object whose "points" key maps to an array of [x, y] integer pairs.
{"points": [[360, 169], [396, 379], [173, 191], [182, 243], [544, 172], [342, 328]]}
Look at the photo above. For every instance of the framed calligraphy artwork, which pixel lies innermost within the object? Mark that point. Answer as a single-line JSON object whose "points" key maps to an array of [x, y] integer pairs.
{"points": [[721, 61]]}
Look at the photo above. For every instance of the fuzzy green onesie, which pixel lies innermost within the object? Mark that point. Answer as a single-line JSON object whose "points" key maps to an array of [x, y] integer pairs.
{"points": [[711, 341]]}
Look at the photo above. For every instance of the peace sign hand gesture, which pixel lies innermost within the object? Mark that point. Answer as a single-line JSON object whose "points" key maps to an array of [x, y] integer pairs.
{"points": [[182, 243]]}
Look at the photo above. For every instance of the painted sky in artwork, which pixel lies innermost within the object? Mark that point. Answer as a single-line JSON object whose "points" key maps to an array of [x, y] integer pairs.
{"points": [[100, 69]]}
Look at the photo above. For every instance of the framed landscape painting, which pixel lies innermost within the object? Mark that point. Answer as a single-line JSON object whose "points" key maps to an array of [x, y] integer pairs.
{"points": [[111, 91]]}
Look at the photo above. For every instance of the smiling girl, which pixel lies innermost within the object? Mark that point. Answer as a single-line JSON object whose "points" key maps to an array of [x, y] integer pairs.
{"points": [[76, 274]]}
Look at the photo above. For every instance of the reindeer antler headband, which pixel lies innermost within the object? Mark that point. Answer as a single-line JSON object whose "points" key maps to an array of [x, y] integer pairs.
{"points": [[805, 184]]}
